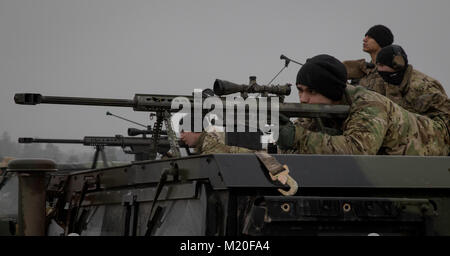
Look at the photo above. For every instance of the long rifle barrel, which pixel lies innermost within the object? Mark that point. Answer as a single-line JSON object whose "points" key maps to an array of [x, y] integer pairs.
{"points": [[140, 102], [58, 141], [34, 98], [118, 141], [314, 110]]}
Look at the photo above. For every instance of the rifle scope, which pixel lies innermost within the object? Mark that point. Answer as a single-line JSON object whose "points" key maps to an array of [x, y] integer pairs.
{"points": [[135, 132], [222, 87]]}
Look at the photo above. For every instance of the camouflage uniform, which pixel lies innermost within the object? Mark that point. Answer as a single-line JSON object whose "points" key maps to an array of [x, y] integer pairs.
{"points": [[326, 125], [418, 93], [377, 125], [359, 72], [421, 94], [214, 143]]}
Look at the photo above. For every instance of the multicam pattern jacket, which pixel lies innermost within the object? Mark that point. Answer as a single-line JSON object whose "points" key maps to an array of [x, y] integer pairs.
{"points": [[418, 93], [377, 125], [421, 94], [214, 143], [365, 74]]}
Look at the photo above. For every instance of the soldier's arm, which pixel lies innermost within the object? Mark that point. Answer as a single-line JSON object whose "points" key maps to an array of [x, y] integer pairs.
{"points": [[363, 134], [428, 97], [308, 123], [355, 68], [211, 143]]}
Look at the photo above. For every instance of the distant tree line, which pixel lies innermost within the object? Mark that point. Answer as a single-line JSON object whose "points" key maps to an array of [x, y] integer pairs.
{"points": [[11, 148]]}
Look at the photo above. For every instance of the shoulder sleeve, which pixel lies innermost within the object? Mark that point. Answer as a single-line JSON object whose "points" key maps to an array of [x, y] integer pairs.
{"points": [[427, 96], [363, 133], [355, 68], [211, 143]]}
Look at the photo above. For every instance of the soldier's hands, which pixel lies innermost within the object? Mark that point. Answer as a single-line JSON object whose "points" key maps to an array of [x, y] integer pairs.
{"points": [[287, 133], [283, 120]]}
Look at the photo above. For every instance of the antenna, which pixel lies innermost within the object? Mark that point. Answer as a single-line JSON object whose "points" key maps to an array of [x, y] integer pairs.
{"points": [[287, 60], [286, 64]]}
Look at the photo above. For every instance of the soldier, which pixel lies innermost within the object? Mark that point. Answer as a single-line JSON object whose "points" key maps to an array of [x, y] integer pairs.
{"points": [[375, 124], [363, 73], [409, 88]]}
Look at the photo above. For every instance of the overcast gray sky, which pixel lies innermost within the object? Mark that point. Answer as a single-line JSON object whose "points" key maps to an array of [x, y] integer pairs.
{"points": [[114, 49]]}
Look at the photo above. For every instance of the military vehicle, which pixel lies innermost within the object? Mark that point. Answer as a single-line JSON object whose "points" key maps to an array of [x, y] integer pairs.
{"points": [[234, 194], [224, 194]]}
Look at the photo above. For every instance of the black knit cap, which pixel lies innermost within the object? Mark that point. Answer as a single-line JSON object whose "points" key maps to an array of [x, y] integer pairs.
{"points": [[324, 74], [387, 55], [381, 34]]}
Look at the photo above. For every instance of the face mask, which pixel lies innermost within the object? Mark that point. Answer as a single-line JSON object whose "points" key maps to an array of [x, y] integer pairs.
{"points": [[394, 78]]}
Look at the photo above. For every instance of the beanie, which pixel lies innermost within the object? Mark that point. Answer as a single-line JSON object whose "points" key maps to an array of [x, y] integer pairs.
{"points": [[324, 74], [393, 56], [381, 34]]}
